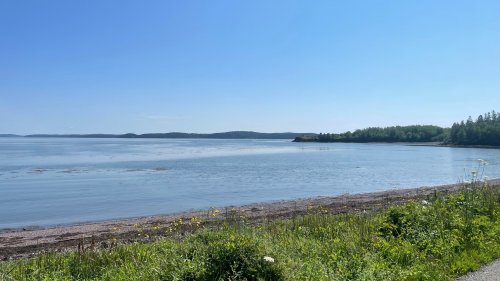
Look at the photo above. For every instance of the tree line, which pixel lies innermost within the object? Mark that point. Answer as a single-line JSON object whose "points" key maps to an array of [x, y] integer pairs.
{"points": [[485, 130], [414, 133]]}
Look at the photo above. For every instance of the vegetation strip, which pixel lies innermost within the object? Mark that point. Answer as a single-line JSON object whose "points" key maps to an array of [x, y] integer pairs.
{"points": [[485, 131], [437, 238]]}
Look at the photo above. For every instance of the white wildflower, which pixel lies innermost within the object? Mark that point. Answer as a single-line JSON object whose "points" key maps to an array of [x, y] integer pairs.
{"points": [[485, 178], [424, 202], [268, 259]]}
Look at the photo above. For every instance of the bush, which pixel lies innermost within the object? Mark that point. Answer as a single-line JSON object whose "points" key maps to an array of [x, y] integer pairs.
{"points": [[227, 256]]}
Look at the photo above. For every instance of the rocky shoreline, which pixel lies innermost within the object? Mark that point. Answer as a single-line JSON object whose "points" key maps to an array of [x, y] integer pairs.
{"points": [[25, 243]]}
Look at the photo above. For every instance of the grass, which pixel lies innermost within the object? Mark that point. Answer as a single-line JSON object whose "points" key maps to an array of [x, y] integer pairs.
{"points": [[435, 240]]}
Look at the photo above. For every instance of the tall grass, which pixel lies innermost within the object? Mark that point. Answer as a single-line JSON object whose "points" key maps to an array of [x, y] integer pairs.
{"points": [[437, 239]]}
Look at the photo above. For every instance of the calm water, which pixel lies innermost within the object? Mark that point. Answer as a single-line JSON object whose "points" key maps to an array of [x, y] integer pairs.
{"points": [[58, 181]]}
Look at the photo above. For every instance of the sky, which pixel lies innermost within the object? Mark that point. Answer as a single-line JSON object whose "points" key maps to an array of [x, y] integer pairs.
{"points": [[269, 66]]}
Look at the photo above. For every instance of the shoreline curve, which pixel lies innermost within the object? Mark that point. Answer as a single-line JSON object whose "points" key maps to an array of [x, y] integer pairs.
{"points": [[20, 243]]}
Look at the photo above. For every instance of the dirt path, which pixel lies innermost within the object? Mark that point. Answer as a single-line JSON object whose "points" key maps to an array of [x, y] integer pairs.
{"points": [[19, 243]]}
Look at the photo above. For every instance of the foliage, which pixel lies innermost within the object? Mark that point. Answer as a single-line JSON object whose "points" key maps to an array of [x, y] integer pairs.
{"points": [[436, 239], [416, 133], [484, 131]]}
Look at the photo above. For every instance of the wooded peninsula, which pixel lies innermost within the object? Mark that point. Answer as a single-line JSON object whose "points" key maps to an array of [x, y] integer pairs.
{"points": [[485, 130]]}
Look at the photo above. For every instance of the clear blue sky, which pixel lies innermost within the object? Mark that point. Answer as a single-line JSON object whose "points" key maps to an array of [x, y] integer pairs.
{"points": [[270, 66]]}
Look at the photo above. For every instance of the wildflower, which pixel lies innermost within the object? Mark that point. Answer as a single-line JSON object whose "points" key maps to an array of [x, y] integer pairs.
{"points": [[473, 173], [424, 202], [485, 178], [268, 259], [195, 221]]}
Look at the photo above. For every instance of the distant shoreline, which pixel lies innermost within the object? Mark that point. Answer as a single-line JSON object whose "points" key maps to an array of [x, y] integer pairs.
{"points": [[172, 135], [18, 243], [460, 146], [434, 144]]}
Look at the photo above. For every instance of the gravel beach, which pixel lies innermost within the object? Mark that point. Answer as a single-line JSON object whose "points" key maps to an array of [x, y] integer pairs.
{"points": [[20, 243]]}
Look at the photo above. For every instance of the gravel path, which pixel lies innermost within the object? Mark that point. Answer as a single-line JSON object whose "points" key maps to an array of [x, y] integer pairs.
{"points": [[490, 272]]}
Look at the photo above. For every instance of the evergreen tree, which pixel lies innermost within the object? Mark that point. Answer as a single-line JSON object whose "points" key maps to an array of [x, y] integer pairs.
{"points": [[484, 131]]}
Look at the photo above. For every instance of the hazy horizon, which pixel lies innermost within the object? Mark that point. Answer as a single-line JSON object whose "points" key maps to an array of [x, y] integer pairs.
{"points": [[283, 66], [153, 133], [181, 132]]}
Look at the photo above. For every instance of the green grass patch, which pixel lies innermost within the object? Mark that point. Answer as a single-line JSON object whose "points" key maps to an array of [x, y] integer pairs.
{"points": [[436, 240]]}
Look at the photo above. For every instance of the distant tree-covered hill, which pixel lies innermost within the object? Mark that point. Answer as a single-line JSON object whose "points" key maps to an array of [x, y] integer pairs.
{"points": [[416, 133], [225, 135], [485, 130]]}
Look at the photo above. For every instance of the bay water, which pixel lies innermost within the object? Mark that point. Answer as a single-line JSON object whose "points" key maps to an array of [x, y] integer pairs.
{"points": [[53, 181]]}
